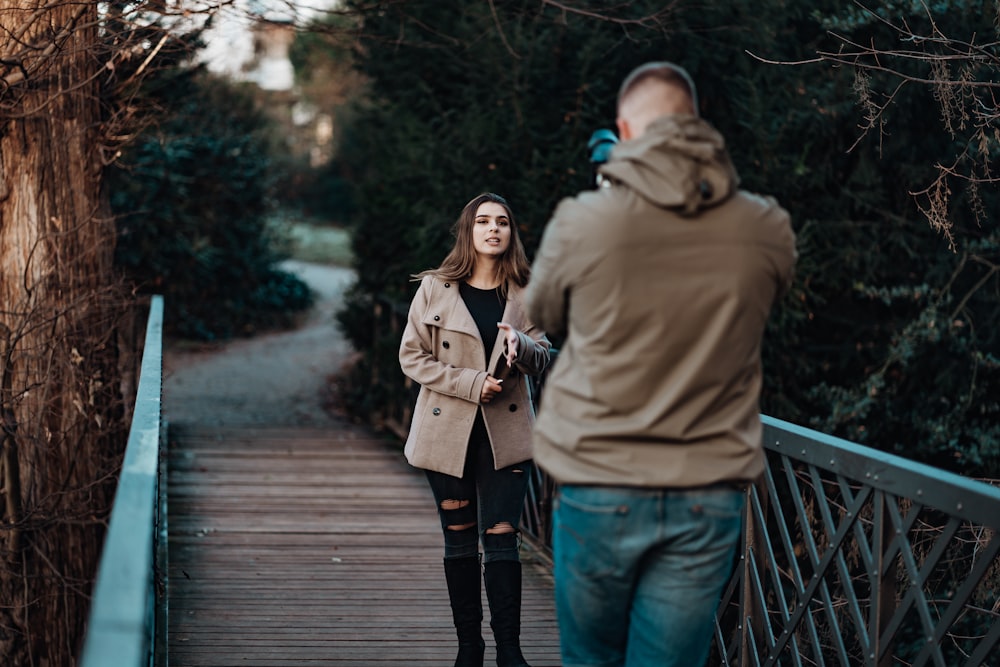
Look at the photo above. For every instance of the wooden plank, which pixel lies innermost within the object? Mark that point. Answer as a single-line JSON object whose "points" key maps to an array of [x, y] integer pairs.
{"points": [[304, 546]]}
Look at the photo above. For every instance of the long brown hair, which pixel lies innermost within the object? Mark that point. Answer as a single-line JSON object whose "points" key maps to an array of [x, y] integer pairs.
{"points": [[513, 266]]}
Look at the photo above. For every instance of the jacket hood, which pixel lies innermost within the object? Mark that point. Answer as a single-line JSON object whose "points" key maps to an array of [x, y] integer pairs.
{"points": [[679, 162]]}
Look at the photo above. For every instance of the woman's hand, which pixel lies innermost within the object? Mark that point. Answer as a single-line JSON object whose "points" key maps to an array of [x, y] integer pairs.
{"points": [[491, 388], [510, 334]]}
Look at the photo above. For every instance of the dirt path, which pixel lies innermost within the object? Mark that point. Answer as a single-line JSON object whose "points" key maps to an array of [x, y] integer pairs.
{"points": [[272, 379]]}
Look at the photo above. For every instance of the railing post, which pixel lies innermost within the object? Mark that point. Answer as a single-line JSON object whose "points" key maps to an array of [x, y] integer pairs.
{"points": [[883, 586], [751, 612]]}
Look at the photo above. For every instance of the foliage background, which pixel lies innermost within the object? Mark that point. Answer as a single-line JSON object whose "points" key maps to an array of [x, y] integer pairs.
{"points": [[888, 337], [194, 197]]}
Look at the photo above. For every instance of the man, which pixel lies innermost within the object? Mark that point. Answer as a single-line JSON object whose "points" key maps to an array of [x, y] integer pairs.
{"points": [[661, 282]]}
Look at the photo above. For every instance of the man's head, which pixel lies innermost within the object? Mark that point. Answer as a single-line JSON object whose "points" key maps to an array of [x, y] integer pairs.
{"points": [[650, 91]]}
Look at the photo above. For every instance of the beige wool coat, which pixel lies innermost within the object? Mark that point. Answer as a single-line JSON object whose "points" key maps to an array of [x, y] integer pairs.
{"points": [[442, 351]]}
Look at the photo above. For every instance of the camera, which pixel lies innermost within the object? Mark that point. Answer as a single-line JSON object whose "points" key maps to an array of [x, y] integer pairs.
{"points": [[599, 146]]}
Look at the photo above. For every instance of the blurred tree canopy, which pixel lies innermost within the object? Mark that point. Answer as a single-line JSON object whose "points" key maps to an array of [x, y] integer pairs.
{"points": [[843, 113]]}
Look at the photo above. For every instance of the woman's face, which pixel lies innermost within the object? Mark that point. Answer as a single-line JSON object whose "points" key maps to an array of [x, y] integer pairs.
{"points": [[491, 230]]}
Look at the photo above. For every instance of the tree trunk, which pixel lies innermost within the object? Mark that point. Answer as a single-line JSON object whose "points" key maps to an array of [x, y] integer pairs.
{"points": [[59, 384]]}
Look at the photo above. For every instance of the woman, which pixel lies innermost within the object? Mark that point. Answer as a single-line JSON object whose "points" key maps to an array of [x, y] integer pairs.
{"points": [[471, 429]]}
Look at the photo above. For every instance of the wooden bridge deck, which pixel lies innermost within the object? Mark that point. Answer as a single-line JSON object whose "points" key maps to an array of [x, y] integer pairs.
{"points": [[314, 546]]}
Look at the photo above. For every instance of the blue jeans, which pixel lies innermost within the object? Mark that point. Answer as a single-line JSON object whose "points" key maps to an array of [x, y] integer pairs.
{"points": [[639, 572]]}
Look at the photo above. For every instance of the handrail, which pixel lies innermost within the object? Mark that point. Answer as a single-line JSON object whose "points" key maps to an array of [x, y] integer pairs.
{"points": [[121, 624], [943, 490]]}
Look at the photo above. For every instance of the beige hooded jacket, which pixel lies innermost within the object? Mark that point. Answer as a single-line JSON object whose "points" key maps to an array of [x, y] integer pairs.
{"points": [[442, 351], [662, 284]]}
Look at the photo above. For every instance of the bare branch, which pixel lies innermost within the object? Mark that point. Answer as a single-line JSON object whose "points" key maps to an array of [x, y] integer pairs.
{"points": [[496, 21], [655, 19], [24, 72], [767, 61], [967, 100]]}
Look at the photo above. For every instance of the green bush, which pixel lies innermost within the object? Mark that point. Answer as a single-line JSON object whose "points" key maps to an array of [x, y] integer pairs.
{"points": [[192, 200]]}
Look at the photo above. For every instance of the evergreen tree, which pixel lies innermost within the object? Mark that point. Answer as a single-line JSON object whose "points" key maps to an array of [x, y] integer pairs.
{"points": [[464, 100], [886, 338]]}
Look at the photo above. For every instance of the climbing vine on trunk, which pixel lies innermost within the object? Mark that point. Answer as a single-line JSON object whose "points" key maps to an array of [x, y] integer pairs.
{"points": [[67, 351]]}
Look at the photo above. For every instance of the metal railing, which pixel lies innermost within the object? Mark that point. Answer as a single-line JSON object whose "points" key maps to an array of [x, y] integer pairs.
{"points": [[124, 617], [852, 556]]}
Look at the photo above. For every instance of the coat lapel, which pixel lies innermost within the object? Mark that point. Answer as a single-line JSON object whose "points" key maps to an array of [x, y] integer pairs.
{"points": [[513, 312], [447, 304], [455, 316]]}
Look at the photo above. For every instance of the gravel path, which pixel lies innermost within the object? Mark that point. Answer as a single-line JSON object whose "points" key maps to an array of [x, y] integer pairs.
{"points": [[272, 379]]}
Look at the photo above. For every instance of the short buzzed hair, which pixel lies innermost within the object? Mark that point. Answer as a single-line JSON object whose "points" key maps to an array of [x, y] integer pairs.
{"points": [[665, 72]]}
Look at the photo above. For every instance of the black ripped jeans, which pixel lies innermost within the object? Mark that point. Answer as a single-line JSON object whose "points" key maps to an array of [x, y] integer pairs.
{"points": [[486, 497]]}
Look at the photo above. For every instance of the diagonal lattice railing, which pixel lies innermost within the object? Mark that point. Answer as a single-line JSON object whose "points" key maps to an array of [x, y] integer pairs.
{"points": [[856, 557], [852, 556]]}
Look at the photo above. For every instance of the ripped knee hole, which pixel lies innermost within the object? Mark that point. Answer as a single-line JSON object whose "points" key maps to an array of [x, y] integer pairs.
{"points": [[454, 504], [501, 528]]}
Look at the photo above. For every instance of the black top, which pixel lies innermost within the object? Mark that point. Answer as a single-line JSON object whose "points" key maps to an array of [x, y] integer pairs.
{"points": [[486, 307]]}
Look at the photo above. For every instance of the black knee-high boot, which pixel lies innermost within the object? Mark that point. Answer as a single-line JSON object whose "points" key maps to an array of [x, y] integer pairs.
{"points": [[463, 576], [503, 590]]}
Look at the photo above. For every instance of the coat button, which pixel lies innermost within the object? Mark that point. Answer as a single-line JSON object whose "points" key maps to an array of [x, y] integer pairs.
{"points": [[436, 411], [437, 318], [513, 407], [446, 345]]}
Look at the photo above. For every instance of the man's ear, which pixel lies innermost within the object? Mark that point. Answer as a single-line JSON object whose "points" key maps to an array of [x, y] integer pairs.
{"points": [[624, 129]]}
